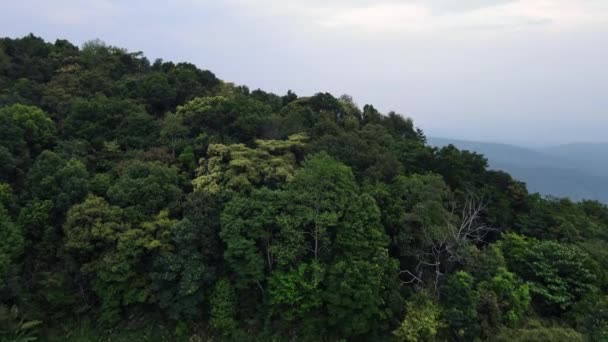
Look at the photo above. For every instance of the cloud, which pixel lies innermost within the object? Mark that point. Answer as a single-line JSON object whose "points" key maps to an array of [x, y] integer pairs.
{"points": [[392, 18], [433, 16]]}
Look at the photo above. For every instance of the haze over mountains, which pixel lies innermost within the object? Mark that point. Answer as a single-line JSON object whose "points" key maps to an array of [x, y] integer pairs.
{"points": [[574, 170]]}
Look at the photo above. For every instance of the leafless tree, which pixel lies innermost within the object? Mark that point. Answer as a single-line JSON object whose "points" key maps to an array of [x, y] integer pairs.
{"points": [[448, 245]]}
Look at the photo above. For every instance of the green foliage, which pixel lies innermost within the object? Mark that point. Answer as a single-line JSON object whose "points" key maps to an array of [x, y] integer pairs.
{"points": [[65, 182], [233, 117], [179, 275], [590, 316], [45, 239], [540, 334], [203, 211], [240, 168], [88, 223], [460, 299], [249, 222], [361, 272], [296, 298], [26, 129], [100, 183], [503, 301], [318, 197], [146, 187], [173, 131], [266, 230], [558, 274], [422, 321], [414, 210], [100, 119], [91, 231], [112, 252], [460, 169], [223, 309], [152, 201], [7, 199], [354, 302], [504, 297], [564, 220], [187, 158], [15, 327], [11, 246], [86, 331]]}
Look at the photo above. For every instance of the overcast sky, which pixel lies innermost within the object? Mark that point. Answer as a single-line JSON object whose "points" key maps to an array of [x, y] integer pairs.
{"points": [[524, 71]]}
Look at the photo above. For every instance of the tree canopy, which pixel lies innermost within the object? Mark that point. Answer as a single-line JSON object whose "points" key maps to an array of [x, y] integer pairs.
{"points": [[148, 200]]}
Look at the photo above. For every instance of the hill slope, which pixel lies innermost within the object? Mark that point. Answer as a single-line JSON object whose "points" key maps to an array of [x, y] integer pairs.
{"points": [[574, 170], [152, 201]]}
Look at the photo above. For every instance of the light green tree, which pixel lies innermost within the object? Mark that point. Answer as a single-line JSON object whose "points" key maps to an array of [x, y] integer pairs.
{"points": [[422, 321], [241, 168]]}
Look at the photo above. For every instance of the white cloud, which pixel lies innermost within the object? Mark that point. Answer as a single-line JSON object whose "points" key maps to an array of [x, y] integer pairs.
{"points": [[367, 17], [434, 16]]}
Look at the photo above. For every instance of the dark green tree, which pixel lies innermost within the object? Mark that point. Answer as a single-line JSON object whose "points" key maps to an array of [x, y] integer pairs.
{"points": [[146, 187]]}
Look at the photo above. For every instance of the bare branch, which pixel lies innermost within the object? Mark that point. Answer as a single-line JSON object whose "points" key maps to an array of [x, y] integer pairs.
{"points": [[447, 245]]}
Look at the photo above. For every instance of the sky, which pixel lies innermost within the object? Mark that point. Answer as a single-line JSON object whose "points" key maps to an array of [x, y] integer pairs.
{"points": [[531, 72]]}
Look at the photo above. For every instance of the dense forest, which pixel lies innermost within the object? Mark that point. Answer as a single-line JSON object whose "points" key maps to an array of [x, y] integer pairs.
{"points": [[152, 201]]}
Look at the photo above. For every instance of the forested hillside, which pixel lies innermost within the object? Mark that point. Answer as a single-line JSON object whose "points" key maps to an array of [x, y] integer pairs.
{"points": [[576, 171], [148, 200]]}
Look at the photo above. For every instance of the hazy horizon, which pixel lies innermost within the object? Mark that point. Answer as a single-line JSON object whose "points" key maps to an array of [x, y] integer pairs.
{"points": [[533, 145], [508, 71]]}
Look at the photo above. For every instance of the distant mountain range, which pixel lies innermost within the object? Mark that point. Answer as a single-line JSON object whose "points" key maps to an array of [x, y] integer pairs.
{"points": [[577, 171]]}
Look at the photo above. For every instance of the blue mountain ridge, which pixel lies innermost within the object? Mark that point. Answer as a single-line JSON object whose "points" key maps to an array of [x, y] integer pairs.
{"points": [[576, 171]]}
